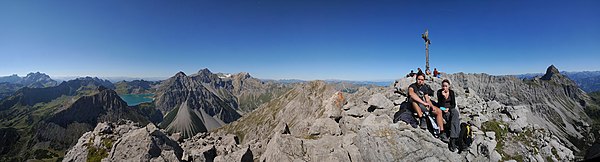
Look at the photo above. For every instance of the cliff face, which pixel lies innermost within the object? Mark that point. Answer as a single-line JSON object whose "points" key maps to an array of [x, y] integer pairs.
{"points": [[204, 101], [196, 103]]}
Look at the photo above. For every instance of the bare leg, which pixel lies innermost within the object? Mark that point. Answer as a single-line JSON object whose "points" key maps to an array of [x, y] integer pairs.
{"points": [[439, 117], [417, 109]]}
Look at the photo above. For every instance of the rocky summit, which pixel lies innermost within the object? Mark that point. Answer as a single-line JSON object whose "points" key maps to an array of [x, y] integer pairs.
{"points": [[235, 117], [512, 120]]}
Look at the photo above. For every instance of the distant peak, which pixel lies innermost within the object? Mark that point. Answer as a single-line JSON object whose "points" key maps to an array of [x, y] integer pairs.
{"points": [[204, 71], [244, 75], [180, 74], [550, 72], [552, 69], [36, 73]]}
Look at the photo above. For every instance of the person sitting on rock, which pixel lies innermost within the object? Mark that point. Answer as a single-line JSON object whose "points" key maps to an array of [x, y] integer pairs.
{"points": [[447, 103], [420, 101], [411, 74]]}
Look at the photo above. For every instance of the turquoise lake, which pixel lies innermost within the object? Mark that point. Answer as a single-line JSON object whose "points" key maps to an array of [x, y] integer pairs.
{"points": [[136, 99]]}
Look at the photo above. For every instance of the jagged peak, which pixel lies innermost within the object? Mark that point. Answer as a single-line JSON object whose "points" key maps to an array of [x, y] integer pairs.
{"points": [[180, 74], [36, 73], [204, 71], [551, 71]]}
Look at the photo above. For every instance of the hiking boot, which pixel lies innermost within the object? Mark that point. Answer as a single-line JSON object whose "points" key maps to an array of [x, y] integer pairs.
{"points": [[452, 145], [444, 138], [465, 149], [423, 123]]}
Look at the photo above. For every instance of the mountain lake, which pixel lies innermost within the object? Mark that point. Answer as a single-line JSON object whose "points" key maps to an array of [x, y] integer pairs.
{"points": [[136, 99]]}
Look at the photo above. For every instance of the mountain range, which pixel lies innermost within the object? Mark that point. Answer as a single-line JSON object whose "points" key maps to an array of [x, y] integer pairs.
{"points": [[44, 122], [209, 116], [588, 81], [546, 118], [10, 84]]}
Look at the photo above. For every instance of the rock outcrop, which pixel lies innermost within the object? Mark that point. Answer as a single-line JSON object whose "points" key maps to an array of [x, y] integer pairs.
{"points": [[125, 141], [359, 134], [128, 141]]}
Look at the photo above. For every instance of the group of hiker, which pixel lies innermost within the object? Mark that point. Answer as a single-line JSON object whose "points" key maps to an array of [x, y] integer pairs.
{"points": [[436, 73], [431, 115]]}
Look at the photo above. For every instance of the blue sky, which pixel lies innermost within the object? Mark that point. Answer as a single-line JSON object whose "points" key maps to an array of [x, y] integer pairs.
{"points": [[353, 40]]}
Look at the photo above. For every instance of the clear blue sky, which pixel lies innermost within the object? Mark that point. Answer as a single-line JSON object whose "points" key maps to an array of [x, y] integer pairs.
{"points": [[354, 40]]}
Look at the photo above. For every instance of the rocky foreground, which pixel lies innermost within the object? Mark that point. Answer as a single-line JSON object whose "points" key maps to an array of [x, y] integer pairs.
{"points": [[313, 122]]}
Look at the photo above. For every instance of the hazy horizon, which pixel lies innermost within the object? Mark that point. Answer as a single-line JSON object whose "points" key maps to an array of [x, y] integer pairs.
{"points": [[308, 40], [156, 78]]}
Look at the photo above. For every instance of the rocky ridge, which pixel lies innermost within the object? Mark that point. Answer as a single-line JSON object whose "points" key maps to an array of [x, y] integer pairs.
{"points": [[314, 121]]}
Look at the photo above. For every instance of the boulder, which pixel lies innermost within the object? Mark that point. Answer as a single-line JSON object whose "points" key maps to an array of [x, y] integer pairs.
{"points": [[242, 155], [325, 126], [357, 111], [350, 124], [380, 141], [517, 126], [332, 108], [379, 101], [145, 144], [104, 128], [284, 147]]}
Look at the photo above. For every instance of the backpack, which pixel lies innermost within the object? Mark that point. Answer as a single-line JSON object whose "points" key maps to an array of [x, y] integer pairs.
{"points": [[466, 136], [405, 115]]}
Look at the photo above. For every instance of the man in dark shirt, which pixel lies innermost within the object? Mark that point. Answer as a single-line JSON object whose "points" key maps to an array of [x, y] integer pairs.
{"points": [[420, 101]]}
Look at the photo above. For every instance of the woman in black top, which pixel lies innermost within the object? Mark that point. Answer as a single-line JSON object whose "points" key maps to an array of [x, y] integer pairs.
{"points": [[446, 99]]}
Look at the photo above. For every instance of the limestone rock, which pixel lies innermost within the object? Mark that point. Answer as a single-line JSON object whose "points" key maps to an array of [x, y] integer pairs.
{"points": [[145, 144], [333, 108], [379, 101], [400, 142], [325, 126], [79, 152]]}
